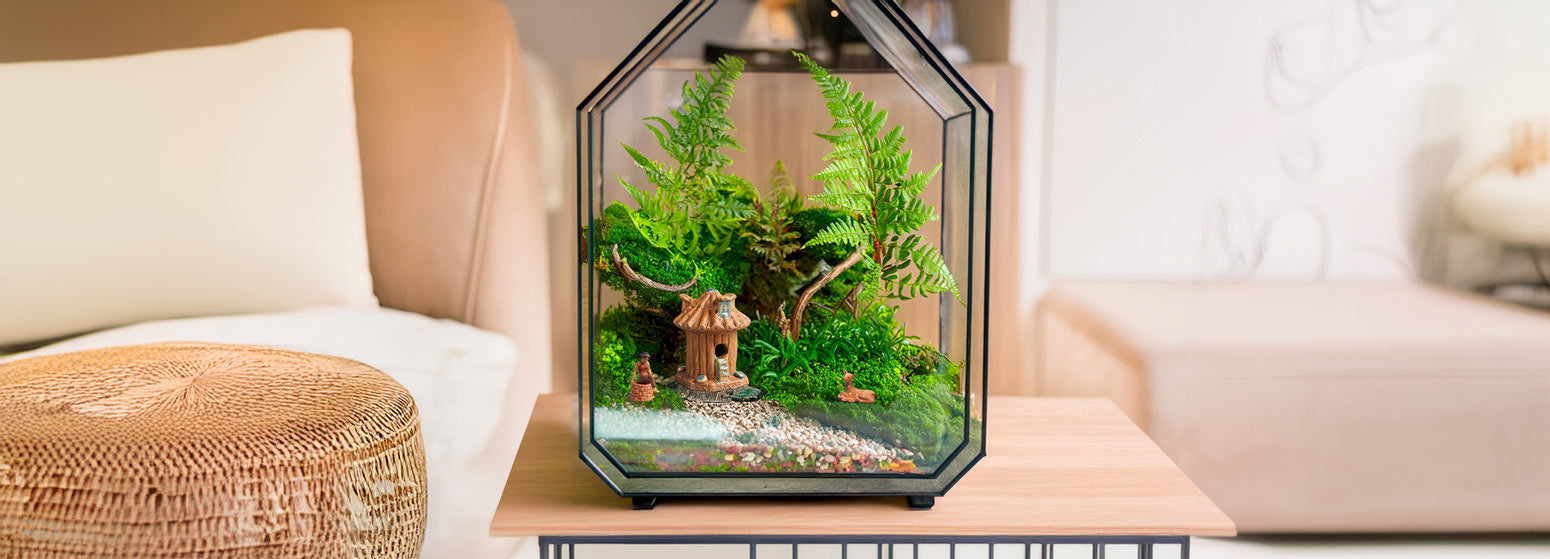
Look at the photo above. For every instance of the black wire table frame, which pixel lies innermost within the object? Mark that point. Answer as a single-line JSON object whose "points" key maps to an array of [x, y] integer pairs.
{"points": [[1033, 547]]}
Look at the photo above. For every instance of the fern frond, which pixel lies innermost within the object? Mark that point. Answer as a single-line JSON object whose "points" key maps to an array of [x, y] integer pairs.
{"points": [[844, 233], [655, 172], [932, 275], [698, 208], [869, 177]]}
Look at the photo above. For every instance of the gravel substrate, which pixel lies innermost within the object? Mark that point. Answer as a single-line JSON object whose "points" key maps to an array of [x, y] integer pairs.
{"points": [[631, 423], [763, 428]]}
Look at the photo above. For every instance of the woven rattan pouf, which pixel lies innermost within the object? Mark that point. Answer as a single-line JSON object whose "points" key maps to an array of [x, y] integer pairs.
{"points": [[204, 450]]}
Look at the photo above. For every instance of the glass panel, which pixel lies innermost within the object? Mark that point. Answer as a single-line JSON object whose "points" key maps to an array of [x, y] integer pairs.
{"points": [[774, 316]]}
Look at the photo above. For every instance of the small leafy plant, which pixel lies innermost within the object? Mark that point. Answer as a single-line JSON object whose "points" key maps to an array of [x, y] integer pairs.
{"points": [[869, 178], [698, 208], [773, 242], [771, 235]]}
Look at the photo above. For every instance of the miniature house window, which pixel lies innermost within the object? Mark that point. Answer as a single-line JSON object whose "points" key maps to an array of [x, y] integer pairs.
{"points": [[790, 249]]}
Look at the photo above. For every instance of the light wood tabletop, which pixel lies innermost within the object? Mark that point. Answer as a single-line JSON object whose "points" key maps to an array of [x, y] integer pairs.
{"points": [[1054, 467]]}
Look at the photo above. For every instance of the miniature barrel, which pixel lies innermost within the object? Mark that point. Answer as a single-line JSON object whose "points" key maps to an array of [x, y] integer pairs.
{"points": [[205, 450]]}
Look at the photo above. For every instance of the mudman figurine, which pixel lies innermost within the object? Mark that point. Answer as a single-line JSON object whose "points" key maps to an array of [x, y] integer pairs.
{"points": [[645, 386]]}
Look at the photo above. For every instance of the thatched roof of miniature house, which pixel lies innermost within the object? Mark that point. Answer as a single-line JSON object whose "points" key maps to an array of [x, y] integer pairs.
{"points": [[703, 314]]}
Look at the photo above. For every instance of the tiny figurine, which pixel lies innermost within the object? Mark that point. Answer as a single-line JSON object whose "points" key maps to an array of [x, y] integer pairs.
{"points": [[710, 324], [645, 386], [854, 395]]}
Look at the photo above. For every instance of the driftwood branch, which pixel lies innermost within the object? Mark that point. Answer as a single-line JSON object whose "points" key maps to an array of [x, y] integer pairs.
{"points": [[852, 301], [794, 327], [630, 274]]}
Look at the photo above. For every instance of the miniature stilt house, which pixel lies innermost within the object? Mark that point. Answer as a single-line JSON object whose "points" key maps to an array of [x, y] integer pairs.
{"points": [[710, 324]]}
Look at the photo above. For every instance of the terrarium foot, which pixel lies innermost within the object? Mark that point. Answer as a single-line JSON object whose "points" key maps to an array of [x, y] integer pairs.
{"points": [[920, 502], [644, 503]]}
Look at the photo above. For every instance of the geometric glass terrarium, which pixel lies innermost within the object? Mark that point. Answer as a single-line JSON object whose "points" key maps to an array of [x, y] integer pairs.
{"points": [[783, 276]]}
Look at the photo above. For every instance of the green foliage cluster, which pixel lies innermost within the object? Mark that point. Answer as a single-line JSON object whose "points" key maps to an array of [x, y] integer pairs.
{"points": [[697, 209], [614, 356], [725, 272], [703, 222], [872, 346], [809, 222], [771, 234], [624, 332], [773, 244], [868, 177], [926, 418], [924, 364], [648, 332]]}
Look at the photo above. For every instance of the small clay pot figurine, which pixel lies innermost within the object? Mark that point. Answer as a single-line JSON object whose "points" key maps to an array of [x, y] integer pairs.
{"points": [[645, 386], [855, 396]]}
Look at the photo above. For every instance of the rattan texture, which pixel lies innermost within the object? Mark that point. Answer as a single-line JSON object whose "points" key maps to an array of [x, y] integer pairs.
{"points": [[207, 450]]}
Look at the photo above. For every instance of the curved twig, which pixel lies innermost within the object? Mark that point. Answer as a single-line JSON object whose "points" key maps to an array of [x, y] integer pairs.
{"points": [[794, 327], [630, 274]]}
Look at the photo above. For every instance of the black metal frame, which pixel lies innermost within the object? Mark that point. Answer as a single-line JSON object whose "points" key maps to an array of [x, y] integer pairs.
{"points": [[679, 19], [564, 547]]}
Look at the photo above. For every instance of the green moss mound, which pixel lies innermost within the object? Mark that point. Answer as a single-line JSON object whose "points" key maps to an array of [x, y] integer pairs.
{"points": [[725, 272], [872, 346], [649, 331], [664, 400], [614, 357], [927, 419]]}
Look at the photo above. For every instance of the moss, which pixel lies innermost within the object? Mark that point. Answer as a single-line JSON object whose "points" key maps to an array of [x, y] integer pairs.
{"points": [[615, 227], [923, 364], [873, 347], [624, 333], [664, 400], [807, 223], [615, 361], [650, 331], [725, 272], [927, 419]]}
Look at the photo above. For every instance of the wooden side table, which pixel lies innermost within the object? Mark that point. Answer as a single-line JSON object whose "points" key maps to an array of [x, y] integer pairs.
{"points": [[1058, 472]]}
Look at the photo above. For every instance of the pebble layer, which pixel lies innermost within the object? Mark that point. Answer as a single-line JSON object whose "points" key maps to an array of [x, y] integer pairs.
{"points": [[763, 425]]}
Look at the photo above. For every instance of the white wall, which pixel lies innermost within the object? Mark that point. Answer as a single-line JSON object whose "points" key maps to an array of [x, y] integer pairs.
{"points": [[1194, 139], [1243, 138]]}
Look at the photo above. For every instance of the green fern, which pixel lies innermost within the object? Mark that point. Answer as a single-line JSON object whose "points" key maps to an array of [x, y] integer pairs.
{"points": [[697, 208], [868, 176], [770, 233]]}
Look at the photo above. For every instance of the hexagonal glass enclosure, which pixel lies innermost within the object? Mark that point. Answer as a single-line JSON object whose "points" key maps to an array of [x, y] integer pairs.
{"points": [[785, 248]]}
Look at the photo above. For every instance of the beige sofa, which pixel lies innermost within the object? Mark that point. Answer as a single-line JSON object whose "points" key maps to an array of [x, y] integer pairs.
{"points": [[454, 213], [1322, 407]]}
